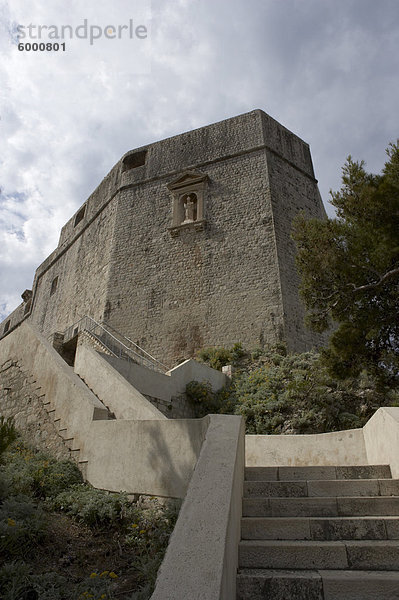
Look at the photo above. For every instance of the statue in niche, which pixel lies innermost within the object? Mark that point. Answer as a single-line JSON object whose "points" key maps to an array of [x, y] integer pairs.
{"points": [[190, 208]]}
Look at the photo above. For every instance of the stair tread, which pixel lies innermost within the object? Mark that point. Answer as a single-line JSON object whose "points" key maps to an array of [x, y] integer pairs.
{"points": [[283, 473], [321, 488], [317, 584], [312, 572], [334, 517], [279, 543]]}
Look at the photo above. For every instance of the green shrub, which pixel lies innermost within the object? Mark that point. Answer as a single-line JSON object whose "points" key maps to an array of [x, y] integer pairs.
{"points": [[95, 508], [290, 393], [8, 433], [215, 357], [149, 536], [22, 525], [218, 357], [295, 394], [30, 472], [19, 582]]}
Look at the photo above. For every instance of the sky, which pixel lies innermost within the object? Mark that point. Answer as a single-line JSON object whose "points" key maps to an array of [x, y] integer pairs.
{"points": [[139, 71]]}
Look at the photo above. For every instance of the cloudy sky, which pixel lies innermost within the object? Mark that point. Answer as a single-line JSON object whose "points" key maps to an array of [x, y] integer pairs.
{"points": [[328, 70]]}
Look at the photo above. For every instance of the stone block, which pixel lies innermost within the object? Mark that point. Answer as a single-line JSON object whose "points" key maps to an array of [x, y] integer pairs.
{"points": [[389, 487], [375, 555], [305, 473], [345, 528], [379, 506], [360, 585], [281, 489], [364, 472], [261, 473], [259, 584], [365, 487], [270, 554], [254, 528], [303, 507]]}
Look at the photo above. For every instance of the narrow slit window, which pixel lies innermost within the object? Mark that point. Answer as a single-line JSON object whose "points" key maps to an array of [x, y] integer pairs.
{"points": [[7, 326], [80, 215], [54, 284]]}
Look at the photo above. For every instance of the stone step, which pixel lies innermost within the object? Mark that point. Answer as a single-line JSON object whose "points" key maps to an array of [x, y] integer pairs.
{"points": [[321, 507], [326, 488], [324, 528], [373, 555], [262, 584], [317, 472]]}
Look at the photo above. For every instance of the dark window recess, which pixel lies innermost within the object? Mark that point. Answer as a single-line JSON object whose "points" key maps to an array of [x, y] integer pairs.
{"points": [[80, 215], [132, 161], [7, 326], [54, 284]]}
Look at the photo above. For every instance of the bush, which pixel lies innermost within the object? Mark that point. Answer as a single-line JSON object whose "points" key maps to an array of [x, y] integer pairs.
{"points": [[149, 536], [291, 393], [18, 581], [217, 357], [35, 473], [8, 433], [95, 508], [22, 525]]}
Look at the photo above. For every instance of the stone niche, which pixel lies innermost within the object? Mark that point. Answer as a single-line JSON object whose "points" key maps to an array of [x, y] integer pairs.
{"points": [[188, 197]]}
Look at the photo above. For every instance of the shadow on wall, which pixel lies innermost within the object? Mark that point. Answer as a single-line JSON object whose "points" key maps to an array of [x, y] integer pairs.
{"points": [[162, 456]]}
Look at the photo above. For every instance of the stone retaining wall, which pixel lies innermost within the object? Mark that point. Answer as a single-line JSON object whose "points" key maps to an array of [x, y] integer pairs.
{"points": [[22, 399]]}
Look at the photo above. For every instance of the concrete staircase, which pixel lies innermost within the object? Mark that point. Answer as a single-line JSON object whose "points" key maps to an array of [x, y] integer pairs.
{"points": [[319, 533]]}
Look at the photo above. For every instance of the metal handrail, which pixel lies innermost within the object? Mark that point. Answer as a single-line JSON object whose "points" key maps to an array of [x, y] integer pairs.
{"points": [[137, 346], [87, 323]]}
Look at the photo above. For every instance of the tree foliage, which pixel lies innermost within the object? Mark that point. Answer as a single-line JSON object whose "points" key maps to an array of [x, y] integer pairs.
{"points": [[350, 272]]}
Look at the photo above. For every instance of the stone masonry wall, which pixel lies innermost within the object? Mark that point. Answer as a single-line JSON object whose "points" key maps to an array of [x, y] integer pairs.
{"points": [[232, 281], [22, 399], [292, 192], [172, 295], [82, 273]]}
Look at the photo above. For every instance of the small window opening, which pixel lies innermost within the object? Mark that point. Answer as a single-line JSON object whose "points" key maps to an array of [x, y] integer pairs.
{"points": [[54, 285], [80, 215], [132, 161], [7, 326]]}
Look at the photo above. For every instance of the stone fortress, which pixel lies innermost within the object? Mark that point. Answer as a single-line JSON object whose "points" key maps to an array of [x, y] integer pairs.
{"points": [[186, 243]]}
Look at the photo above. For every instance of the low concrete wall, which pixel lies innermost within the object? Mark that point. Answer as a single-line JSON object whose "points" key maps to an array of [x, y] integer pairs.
{"points": [[144, 457], [336, 448], [202, 557], [112, 389], [191, 370], [381, 436], [75, 405], [171, 384]]}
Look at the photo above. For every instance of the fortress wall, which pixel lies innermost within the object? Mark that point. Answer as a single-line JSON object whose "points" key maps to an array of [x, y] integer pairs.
{"points": [[291, 192], [200, 146], [217, 286], [95, 202], [13, 319], [286, 144], [82, 273], [22, 398], [172, 295]]}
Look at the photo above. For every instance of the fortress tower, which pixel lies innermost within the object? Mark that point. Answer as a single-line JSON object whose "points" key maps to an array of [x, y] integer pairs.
{"points": [[186, 243]]}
